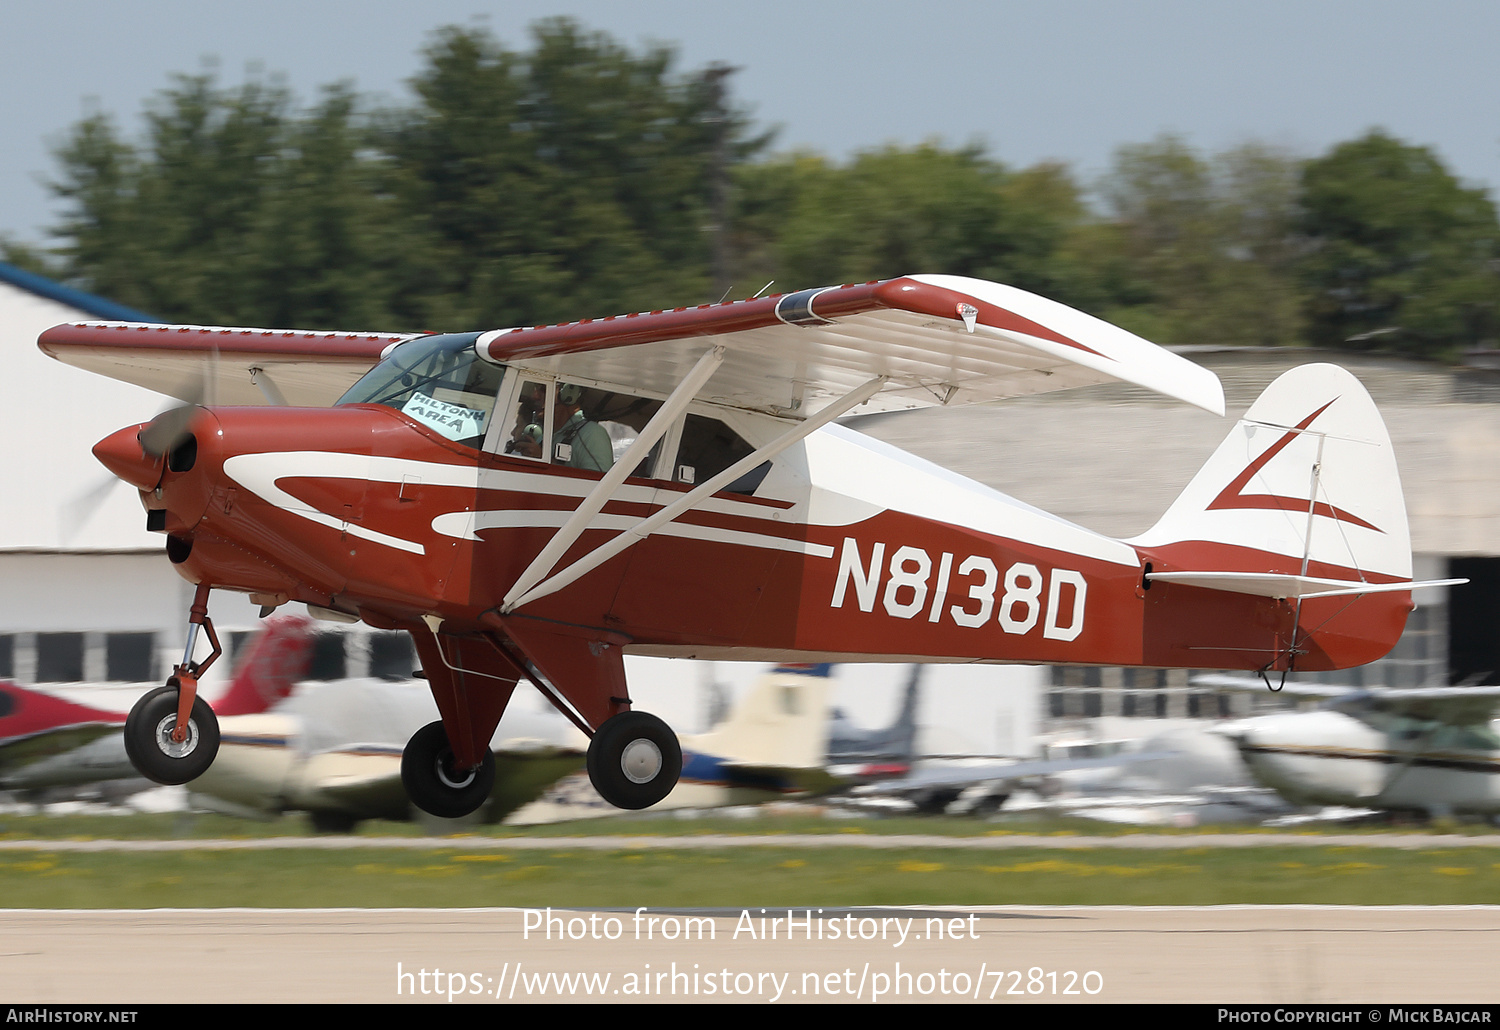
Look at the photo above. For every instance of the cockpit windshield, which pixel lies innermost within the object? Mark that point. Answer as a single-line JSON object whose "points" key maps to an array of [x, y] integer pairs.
{"points": [[437, 381]]}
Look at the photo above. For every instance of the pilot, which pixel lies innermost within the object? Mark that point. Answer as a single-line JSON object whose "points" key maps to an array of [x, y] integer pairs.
{"points": [[579, 442], [531, 412]]}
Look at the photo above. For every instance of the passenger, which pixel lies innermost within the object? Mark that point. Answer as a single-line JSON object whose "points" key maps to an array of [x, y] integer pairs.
{"points": [[579, 442]]}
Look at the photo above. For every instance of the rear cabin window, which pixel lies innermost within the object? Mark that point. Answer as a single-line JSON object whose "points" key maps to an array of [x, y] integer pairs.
{"points": [[709, 447]]}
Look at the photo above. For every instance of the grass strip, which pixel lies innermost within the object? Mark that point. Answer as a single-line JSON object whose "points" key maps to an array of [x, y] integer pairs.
{"points": [[745, 876]]}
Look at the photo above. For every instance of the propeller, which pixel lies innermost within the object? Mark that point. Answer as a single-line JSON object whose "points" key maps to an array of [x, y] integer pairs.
{"points": [[160, 439], [169, 429]]}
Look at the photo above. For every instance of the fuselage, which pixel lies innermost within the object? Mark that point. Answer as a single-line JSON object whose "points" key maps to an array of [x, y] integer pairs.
{"points": [[847, 550]]}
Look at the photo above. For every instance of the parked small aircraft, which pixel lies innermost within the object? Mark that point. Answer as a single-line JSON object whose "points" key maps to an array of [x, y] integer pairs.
{"points": [[775, 745], [873, 754], [333, 750], [48, 740], [532, 503], [1433, 750]]}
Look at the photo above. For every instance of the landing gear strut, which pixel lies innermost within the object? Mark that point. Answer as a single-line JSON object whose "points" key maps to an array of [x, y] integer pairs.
{"points": [[171, 735], [434, 782], [634, 760]]}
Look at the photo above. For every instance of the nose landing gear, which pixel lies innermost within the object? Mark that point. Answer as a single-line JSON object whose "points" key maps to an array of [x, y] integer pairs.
{"points": [[171, 734]]}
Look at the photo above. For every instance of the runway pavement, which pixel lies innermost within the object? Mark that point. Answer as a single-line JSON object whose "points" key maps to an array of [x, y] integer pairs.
{"points": [[991, 955]]}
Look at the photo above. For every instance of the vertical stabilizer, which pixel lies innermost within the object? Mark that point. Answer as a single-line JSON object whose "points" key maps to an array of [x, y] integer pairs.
{"points": [[782, 721], [1289, 549], [1305, 483], [277, 660]]}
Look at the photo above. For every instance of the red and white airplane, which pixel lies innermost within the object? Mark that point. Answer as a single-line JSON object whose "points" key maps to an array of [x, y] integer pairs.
{"points": [[537, 502]]}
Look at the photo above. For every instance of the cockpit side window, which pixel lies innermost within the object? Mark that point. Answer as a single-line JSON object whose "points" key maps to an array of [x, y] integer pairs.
{"points": [[528, 430], [437, 381], [577, 426], [621, 417]]}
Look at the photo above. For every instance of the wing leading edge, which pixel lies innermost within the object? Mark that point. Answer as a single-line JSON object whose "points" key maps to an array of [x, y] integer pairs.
{"points": [[939, 340], [221, 364]]}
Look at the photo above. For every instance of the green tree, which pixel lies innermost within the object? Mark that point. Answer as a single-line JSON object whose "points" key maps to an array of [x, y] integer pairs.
{"points": [[235, 209], [805, 221], [573, 179], [1400, 255], [1199, 250]]}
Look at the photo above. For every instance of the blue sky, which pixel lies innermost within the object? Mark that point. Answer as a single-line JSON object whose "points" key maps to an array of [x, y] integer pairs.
{"points": [[1068, 80]]}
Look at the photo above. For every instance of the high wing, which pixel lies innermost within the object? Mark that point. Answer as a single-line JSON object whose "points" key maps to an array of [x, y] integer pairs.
{"points": [[932, 339], [936, 339], [1456, 706], [221, 365]]}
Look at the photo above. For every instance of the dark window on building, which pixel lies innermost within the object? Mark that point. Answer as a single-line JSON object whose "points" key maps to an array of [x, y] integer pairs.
{"points": [[328, 661], [7, 656], [391, 656], [1473, 644], [238, 647], [130, 657], [59, 657]]}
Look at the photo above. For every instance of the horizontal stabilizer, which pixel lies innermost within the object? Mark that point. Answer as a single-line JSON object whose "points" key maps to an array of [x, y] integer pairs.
{"points": [[1270, 584]]}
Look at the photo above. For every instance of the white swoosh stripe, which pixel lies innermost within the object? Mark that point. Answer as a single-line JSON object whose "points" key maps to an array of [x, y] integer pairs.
{"points": [[463, 525]]}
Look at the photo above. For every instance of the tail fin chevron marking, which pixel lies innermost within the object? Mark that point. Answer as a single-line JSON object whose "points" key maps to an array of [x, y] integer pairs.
{"points": [[1233, 495]]}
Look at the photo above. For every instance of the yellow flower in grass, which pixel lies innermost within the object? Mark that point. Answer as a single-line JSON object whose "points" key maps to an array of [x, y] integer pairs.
{"points": [[529, 872], [920, 867], [481, 858], [35, 865]]}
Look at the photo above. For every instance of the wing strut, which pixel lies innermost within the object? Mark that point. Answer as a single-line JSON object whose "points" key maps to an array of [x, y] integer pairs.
{"points": [[708, 488], [570, 530]]}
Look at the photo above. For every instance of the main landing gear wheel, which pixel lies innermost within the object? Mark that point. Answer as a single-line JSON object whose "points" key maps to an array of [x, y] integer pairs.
{"points": [[149, 743], [634, 760], [433, 782]]}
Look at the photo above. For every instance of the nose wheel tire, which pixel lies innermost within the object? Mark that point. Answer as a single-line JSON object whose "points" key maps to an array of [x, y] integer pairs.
{"points": [[435, 784], [634, 760], [149, 743]]}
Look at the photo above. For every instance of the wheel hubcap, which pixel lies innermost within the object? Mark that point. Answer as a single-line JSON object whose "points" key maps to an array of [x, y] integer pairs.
{"points": [[170, 747], [641, 761], [447, 778]]}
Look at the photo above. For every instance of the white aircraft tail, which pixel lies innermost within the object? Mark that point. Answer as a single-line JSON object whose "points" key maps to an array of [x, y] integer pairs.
{"points": [[1306, 478], [1301, 509], [782, 722]]}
